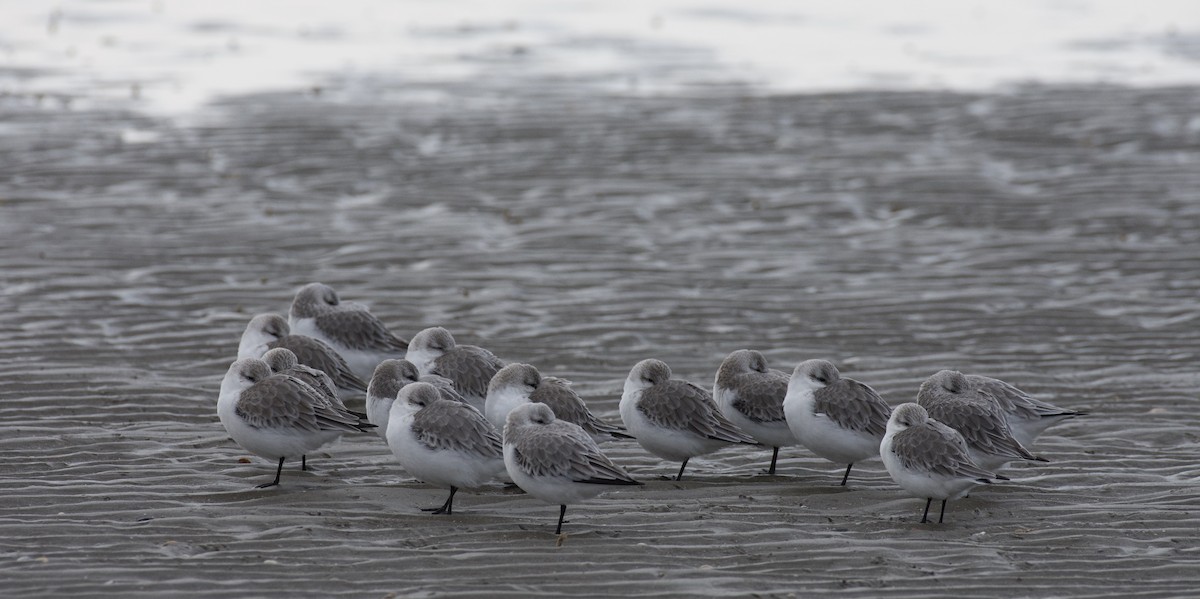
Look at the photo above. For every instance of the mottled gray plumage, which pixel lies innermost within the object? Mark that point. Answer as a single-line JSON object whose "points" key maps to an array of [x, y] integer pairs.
{"points": [[853, 405], [445, 424], [283, 361], [280, 401], [314, 353], [468, 367], [550, 447], [681, 405], [567, 405], [759, 390], [348, 324], [950, 399], [392, 375], [1015, 401], [930, 446]]}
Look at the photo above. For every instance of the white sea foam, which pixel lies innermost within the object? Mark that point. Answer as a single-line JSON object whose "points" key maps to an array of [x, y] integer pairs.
{"points": [[170, 56]]}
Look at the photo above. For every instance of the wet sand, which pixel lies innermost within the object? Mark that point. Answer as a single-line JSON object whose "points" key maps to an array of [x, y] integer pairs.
{"points": [[1048, 237]]}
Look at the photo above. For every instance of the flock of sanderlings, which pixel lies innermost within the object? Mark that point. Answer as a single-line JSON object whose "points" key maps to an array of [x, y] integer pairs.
{"points": [[456, 416]]}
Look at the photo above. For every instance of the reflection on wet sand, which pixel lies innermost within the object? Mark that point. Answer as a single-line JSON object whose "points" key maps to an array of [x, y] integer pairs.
{"points": [[1045, 237]]}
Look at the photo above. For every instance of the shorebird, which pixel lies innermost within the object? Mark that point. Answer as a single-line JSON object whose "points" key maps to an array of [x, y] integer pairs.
{"points": [[839, 419], [976, 415], [519, 384], [674, 419], [269, 331], [283, 361], [349, 328], [391, 376], [929, 459], [556, 461], [751, 396], [1027, 417], [277, 416], [442, 442], [470, 368]]}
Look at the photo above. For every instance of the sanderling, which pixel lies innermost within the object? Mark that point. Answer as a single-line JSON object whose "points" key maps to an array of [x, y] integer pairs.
{"points": [[928, 458], [751, 396], [283, 361], [674, 419], [976, 415], [839, 419], [1027, 417], [269, 331], [555, 460], [470, 368], [391, 376], [443, 442], [351, 330], [518, 384], [277, 416]]}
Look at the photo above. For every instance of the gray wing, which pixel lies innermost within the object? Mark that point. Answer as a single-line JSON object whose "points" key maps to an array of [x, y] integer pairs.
{"points": [[760, 395], [444, 386], [563, 450], [978, 418], [563, 401], [1015, 401], [283, 402], [567, 405], [317, 380], [359, 329], [936, 448], [322, 383], [680, 405], [853, 406], [470, 368], [457, 427], [316, 354]]}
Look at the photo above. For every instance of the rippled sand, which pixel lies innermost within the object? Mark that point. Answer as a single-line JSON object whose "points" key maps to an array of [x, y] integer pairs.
{"points": [[1049, 237]]}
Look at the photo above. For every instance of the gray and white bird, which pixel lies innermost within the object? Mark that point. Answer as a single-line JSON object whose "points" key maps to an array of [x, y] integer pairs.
{"points": [[442, 442], [929, 459], [283, 361], [519, 384], [349, 328], [839, 419], [751, 396], [976, 415], [556, 461], [674, 419], [391, 376], [269, 331], [469, 368], [1027, 416], [277, 416]]}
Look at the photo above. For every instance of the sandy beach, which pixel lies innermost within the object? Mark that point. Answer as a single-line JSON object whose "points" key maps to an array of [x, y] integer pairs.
{"points": [[1046, 235]]}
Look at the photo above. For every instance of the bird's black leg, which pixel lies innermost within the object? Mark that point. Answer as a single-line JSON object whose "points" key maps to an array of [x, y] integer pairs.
{"points": [[446, 507], [304, 463], [278, 471], [562, 511], [925, 516], [681, 467], [846, 476], [774, 457], [943, 514]]}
